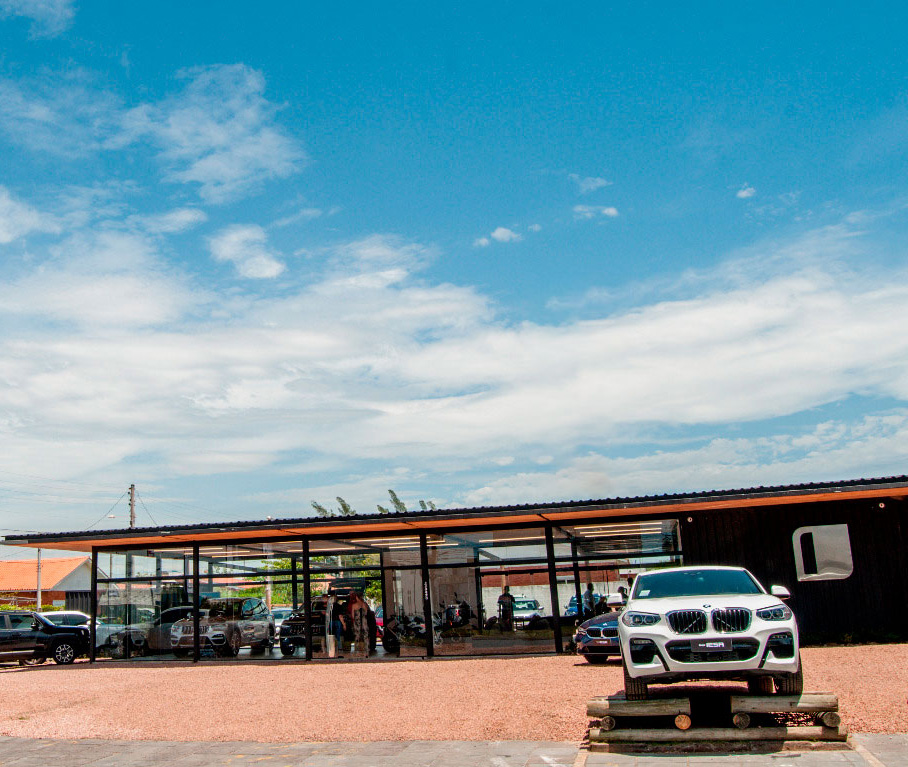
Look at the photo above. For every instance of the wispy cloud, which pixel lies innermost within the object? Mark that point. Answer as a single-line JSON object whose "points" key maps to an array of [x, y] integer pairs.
{"points": [[587, 184], [499, 234], [49, 17], [586, 212], [218, 132], [18, 219], [245, 246], [745, 192], [173, 221]]}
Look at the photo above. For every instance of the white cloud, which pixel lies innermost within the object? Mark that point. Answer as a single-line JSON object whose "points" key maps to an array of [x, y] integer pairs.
{"points": [[245, 245], [587, 184], [172, 222], [834, 450], [745, 192], [585, 212], [534, 228], [219, 132], [481, 242], [107, 342], [503, 234], [18, 219], [304, 214], [49, 17]]}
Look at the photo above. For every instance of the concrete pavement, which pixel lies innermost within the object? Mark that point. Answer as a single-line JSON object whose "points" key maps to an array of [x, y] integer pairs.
{"points": [[870, 751]]}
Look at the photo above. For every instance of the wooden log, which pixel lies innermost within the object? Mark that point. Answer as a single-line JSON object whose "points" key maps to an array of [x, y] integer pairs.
{"points": [[620, 707], [830, 719], [808, 703], [700, 734], [741, 720], [607, 723], [682, 722]]}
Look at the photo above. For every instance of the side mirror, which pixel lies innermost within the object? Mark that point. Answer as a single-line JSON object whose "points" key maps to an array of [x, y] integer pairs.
{"points": [[615, 600], [780, 591]]}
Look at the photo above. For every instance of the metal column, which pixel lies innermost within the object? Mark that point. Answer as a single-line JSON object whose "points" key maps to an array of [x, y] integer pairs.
{"points": [[426, 596], [577, 592], [307, 599], [196, 606], [93, 627], [553, 588]]}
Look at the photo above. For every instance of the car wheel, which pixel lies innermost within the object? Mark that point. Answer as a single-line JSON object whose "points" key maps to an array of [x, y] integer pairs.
{"points": [[180, 652], [761, 685], [791, 684], [31, 661], [234, 642], [595, 659], [287, 650], [634, 689], [63, 653]]}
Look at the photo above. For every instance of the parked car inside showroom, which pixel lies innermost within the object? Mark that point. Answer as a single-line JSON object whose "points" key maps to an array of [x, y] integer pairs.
{"points": [[691, 623], [597, 638], [226, 624], [31, 639]]}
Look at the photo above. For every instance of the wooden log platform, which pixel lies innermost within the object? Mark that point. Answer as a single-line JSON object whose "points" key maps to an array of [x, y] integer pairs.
{"points": [[718, 716]]}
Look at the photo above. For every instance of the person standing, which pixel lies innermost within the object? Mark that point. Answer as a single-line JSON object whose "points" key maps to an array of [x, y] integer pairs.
{"points": [[589, 601], [360, 623], [506, 610]]}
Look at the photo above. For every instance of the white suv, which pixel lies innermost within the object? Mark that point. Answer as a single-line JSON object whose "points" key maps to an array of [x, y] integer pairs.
{"points": [[686, 623]]}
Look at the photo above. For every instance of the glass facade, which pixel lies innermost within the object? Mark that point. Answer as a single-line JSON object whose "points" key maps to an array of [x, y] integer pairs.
{"points": [[409, 594]]}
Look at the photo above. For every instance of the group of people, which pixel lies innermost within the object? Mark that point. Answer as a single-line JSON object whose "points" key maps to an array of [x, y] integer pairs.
{"points": [[338, 616]]}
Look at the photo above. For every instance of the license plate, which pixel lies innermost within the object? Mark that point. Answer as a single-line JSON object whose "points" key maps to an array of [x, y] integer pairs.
{"points": [[710, 645]]}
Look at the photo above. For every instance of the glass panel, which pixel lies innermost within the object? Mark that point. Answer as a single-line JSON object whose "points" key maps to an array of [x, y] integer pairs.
{"points": [[135, 618]]}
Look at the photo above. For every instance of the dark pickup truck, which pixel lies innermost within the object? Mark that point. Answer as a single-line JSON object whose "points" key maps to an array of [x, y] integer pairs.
{"points": [[28, 638]]}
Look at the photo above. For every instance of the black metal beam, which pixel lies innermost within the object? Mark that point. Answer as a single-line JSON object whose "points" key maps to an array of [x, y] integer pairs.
{"points": [[196, 606], [553, 588], [426, 596], [307, 598], [92, 627]]}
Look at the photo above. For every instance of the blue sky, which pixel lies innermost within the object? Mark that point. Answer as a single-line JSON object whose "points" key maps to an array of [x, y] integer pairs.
{"points": [[253, 258]]}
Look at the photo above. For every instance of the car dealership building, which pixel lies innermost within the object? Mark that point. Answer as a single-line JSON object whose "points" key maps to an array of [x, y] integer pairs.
{"points": [[837, 546]]}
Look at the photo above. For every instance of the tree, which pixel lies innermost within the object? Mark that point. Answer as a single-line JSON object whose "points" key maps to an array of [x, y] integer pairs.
{"points": [[344, 509], [401, 508]]}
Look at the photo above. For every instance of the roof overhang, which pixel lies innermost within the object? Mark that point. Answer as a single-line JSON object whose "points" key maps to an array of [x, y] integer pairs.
{"points": [[437, 520]]}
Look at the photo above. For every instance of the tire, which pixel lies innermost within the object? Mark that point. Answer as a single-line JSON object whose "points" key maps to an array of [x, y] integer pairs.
{"points": [[63, 653], [31, 661], [181, 652], [232, 646], [634, 689], [596, 660], [287, 650], [791, 684], [760, 685]]}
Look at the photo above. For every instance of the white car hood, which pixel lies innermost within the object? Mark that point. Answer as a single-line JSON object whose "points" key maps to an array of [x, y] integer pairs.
{"points": [[707, 603]]}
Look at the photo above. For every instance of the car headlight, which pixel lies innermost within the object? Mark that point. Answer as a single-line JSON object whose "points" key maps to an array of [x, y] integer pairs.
{"points": [[640, 619], [774, 613]]}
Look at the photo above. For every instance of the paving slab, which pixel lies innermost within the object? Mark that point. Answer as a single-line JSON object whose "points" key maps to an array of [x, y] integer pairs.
{"points": [[878, 750]]}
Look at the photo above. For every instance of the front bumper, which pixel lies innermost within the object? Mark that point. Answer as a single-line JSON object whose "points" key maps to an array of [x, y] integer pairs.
{"points": [[598, 645], [657, 653]]}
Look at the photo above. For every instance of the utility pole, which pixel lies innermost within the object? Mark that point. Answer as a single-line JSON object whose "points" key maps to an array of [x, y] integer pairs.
{"points": [[38, 590], [132, 506]]}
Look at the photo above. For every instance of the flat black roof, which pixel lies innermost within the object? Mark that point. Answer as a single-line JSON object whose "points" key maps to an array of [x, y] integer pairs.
{"points": [[426, 519]]}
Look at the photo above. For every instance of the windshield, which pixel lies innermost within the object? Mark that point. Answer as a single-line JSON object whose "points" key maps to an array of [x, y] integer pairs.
{"points": [[526, 604], [694, 583]]}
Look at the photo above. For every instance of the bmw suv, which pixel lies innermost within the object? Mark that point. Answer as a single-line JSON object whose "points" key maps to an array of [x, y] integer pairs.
{"points": [[687, 623]]}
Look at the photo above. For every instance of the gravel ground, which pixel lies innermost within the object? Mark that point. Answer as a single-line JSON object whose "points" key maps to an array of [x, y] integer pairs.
{"points": [[521, 698]]}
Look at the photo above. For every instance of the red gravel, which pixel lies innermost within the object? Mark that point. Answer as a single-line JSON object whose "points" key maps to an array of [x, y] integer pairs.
{"points": [[521, 698]]}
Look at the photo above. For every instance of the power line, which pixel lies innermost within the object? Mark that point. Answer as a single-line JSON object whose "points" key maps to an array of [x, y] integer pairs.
{"points": [[146, 509], [109, 510]]}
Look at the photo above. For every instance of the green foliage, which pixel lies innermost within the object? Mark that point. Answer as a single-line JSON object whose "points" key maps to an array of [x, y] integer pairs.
{"points": [[399, 505], [344, 509]]}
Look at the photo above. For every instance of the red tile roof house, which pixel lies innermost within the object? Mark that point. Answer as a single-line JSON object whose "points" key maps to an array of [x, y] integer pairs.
{"points": [[65, 582]]}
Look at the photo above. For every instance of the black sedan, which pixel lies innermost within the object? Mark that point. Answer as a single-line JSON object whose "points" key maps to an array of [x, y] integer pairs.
{"points": [[597, 638]]}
